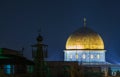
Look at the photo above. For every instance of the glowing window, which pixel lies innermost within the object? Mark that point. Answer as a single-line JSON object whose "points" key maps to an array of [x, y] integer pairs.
{"points": [[98, 56], [91, 56], [76, 56], [83, 56], [7, 69], [70, 56]]}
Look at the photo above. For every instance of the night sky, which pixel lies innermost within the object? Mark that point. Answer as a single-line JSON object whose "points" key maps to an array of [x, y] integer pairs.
{"points": [[20, 21]]}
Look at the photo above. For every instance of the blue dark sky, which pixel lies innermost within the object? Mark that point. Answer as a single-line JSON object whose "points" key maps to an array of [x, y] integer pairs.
{"points": [[20, 21]]}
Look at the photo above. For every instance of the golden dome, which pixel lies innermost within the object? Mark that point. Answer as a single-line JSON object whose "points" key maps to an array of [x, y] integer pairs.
{"points": [[84, 38]]}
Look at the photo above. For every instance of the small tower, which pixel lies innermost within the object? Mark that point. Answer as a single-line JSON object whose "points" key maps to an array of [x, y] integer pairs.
{"points": [[39, 53]]}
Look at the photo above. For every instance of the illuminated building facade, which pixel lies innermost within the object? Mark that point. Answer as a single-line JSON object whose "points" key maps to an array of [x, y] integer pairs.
{"points": [[85, 45]]}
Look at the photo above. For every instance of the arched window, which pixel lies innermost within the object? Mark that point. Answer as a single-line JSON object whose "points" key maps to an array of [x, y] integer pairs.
{"points": [[91, 56], [83, 56], [98, 56], [77, 56], [70, 56]]}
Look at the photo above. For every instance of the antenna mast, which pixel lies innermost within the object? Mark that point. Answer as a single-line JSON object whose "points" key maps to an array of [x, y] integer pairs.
{"points": [[84, 22]]}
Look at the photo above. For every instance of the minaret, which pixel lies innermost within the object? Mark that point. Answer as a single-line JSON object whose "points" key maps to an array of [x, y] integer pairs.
{"points": [[39, 56]]}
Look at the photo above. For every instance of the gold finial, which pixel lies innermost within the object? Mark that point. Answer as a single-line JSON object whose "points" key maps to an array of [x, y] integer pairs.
{"points": [[84, 22]]}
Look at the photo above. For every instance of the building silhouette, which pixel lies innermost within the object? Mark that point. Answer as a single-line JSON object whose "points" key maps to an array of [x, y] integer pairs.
{"points": [[13, 63]]}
